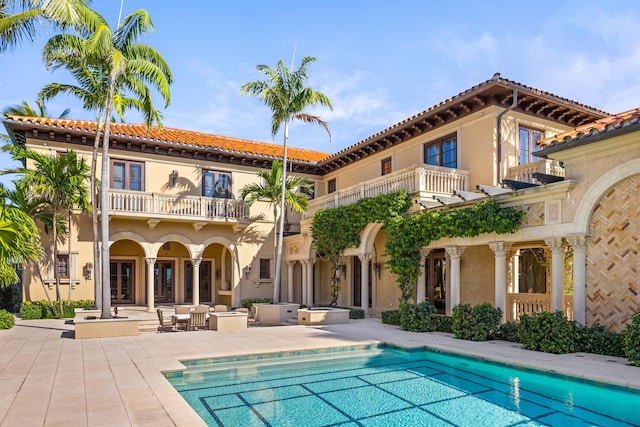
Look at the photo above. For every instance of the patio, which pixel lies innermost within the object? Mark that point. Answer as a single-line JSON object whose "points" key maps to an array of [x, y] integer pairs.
{"points": [[48, 378]]}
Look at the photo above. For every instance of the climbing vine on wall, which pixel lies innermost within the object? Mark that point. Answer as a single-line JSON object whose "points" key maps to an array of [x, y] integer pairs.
{"points": [[337, 229], [334, 230]]}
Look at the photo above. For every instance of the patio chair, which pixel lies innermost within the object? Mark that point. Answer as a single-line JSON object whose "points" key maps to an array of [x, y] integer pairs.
{"points": [[202, 308], [182, 309], [165, 322], [198, 320], [220, 307]]}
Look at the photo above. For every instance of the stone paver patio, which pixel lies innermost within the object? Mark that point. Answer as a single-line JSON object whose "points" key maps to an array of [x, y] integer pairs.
{"points": [[49, 378]]}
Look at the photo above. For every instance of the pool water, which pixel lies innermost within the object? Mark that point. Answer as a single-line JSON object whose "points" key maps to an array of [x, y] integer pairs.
{"points": [[383, 386]]}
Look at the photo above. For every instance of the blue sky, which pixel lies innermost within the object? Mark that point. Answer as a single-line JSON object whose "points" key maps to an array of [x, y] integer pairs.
{"points": [[378, 61]]}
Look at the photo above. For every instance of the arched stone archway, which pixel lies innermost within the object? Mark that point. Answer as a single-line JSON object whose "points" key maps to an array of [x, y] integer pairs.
{"points": [[613, 255]]}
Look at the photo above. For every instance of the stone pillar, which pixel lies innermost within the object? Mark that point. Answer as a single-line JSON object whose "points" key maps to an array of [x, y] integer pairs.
{"points": [[500, 250], [557, 273], [579, 245], [307, 282], [290, 265], [364, 282], [422, 280], [455, 253], [195, 281], [151, 262]]}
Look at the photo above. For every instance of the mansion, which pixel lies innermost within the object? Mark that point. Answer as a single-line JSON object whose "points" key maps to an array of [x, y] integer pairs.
{"points": [[180, 234]]}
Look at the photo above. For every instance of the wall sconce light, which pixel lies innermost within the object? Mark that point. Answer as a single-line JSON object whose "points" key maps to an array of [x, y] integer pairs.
{"points": [[247, 271], [87, 270], [174, 177], [166, 248], [377, 267], [343, 267]]}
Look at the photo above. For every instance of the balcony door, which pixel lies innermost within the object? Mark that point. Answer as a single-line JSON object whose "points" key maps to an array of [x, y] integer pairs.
{"points": [[122, 281], [164, 281]]}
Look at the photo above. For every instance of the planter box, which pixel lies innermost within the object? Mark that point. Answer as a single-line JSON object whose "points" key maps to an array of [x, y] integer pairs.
{"points": [[227, 322], [94, 327], [322, 316], [275, 314]]}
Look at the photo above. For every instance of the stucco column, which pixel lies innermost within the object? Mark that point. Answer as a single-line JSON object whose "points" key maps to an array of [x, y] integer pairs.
{"points": [[500, 251], [307, 285], [151, 262], [195, 281], [364, 282], [290, 265], [305, 266], [557, 273], [579, 245], [455, 253], [422, 280]]}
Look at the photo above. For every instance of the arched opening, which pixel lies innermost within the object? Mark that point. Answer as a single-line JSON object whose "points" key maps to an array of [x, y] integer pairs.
{"points": [[126, 272]]}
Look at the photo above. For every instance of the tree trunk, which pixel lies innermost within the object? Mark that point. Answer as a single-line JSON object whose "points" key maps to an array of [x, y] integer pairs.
{"points": [[276, 283], [104, 211], [69, 261], [56, 274], [97, 278]]}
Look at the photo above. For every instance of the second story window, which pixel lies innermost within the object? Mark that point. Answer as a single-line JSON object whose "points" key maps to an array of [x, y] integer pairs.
{"points": [[528, 144], [127, 175], [216, 184], [443, 152], [63, 266], [385, 165], [331, 186]]}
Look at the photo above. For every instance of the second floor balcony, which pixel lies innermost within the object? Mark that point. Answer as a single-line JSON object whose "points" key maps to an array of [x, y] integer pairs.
{"points": [[524, 173], [175, 207], [420, 180]]}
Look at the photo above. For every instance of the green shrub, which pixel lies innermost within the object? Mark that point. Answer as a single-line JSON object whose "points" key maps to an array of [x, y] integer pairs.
{"points": [[548, 332], [479, 323], [443, 323], [247, 302], [43, 310], [631, 340], [391, 317], [417, 317], [6, 320], [11, 297], [598, 339], [508, 332]]}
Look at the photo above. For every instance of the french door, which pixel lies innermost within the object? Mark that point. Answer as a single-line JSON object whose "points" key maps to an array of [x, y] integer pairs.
{"points": [[436, 279], [122, 281], [205, 281], [164, 281]]}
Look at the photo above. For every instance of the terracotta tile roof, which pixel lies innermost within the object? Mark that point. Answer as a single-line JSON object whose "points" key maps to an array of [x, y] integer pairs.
{"points": [[597, 127], [175, 136]]}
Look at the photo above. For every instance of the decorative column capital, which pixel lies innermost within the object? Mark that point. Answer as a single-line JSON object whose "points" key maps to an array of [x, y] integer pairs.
{"points": [[364, 258], [308, 262], [196, 262], [455, 251], [578, 243], [500, 248], [290, 263], [555, 243], [150, 261]]}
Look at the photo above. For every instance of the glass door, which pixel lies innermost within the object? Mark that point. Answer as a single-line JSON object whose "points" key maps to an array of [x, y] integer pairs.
{"points": [[357, 282], [436, 278], [205, 281], [164, 279], [122, 277]]}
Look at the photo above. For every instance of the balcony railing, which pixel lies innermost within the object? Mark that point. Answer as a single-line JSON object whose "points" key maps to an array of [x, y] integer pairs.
{"points": [[526, 303], [152, 205], [423, 180], [524, 173]]}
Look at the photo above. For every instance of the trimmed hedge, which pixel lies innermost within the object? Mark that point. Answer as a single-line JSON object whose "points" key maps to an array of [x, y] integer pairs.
{"points": [[631, 340], [391, 317], [479, 323], [443, 323], [508, 332], [597, 339], [247, 302], [6, 319], [417, 317], [30, 310], [548, 332]]}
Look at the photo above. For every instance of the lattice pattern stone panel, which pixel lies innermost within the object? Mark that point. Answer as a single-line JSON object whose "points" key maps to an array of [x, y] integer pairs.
{"points": [[534, 215], [613, 256]]}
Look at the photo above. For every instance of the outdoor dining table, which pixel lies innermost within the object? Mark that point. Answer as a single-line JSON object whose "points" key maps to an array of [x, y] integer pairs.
{"points": [[181, 318]]}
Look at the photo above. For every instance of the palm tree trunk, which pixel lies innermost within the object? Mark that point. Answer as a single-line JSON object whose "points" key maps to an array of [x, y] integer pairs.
{"points": [[56, 274], [44, 287], [69, 261], [104, 211], [97, 277], [276, 284]]}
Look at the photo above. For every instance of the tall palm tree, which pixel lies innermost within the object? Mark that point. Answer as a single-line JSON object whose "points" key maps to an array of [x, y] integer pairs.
{"points": [[20, 19], [59, 181], [269, 191], [286, 95], [127, 66], [19, 239], [92, 90]]}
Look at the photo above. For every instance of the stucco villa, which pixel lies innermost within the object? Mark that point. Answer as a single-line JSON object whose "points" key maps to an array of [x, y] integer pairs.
{"points": [[179, 233]]}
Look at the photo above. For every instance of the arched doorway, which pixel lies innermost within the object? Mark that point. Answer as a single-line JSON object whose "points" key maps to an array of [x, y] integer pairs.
{"points": [[124, 271]]}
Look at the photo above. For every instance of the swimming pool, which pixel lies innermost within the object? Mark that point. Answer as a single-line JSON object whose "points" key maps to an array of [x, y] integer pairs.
{"points": [[386, 386]]}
